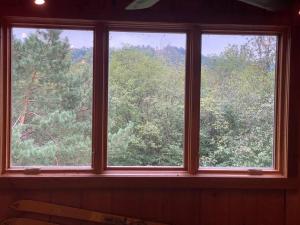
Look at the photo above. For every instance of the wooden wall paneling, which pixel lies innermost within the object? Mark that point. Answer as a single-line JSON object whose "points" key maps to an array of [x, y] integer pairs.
{"points": [[235, 207], [271, 207], [96, 200], [292, 197], [155, 206], [179, 207], [70, 198], [250, 208], [221, 207], [37, 195], [207, 207], [292, 207], [6, 199], [127, 202], [189, 11], [184, 207], [228, 207]]}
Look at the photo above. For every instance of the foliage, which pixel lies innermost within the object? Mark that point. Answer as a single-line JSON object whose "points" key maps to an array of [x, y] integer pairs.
{"points": [[237, 106], [51, 115], [52, 104], [146, 103]]}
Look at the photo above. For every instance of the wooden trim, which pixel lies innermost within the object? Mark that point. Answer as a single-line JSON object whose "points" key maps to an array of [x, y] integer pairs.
{"points": [[165, 28], [100, 100], [144, 168], [242, 29], [145, 181], [3, 69], [148, 26], [104, 98], [293, 91], [192, 105], [2, 108], [49, 170], [31, 23], [282, 104], [57, 210], [7, 99], [281, 94], [240, 171], [49, 23], [24, 221]]}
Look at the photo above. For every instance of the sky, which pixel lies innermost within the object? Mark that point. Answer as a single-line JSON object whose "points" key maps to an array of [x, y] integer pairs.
{"points": [[155, 40], [77, 38], [212, 44]]}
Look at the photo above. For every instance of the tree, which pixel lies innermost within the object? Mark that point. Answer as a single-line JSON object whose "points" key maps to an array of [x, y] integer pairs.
{"points": [[237, 118], [50, 94], [146, 104], [52, 104]]}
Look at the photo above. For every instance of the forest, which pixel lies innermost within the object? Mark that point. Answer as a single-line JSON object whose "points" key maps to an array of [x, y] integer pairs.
{"points": [[52, 100]]}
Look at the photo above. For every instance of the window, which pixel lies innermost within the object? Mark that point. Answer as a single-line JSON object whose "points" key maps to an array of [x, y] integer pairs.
{"points": [[146, 99], [238, 79], [125, 99], [51, 97]]}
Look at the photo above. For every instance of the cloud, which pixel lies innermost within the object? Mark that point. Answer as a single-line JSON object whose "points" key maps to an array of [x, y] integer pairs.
{"points": [[24, 35]]}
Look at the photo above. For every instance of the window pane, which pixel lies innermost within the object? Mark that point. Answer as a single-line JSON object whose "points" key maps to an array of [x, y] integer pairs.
{"points": [[52, 77], [146, 99], [237, 100]]}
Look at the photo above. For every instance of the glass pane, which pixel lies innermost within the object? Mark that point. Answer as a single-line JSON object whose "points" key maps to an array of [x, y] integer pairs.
{"points": [[237, 100], [146, 99], [52, 76]]}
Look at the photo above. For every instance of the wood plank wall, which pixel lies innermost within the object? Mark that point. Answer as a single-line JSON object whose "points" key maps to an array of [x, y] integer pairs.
{"points": [[177, 207], [184, 206]]}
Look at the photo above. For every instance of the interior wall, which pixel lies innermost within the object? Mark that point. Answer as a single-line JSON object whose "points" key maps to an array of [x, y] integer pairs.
{"points": [[180, 206], [177, 207]]}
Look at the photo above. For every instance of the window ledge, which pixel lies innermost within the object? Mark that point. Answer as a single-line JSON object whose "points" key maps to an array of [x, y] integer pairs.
{"points": [[139, 181]]}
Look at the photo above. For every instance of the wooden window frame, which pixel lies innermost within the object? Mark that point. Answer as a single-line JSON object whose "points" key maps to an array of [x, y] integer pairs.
{"points": [[282, 73], [7, 27], [166, 30], [190, 175]]}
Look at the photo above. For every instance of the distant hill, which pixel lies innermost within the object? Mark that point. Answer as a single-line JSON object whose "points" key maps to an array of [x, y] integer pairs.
{"points": [[79, 54], [173, 55]]}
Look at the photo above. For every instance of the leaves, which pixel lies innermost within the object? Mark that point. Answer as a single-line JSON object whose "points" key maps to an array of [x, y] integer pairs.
{"points": [[52, 104]]}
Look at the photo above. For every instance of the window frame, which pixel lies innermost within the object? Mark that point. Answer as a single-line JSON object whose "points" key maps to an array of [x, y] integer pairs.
{"points": [[185, 115], [281, 107], [7, 27], [190, 172]]}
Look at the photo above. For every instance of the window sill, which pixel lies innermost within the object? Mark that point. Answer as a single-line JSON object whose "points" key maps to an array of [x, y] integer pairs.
{"points": [[172, 180]]}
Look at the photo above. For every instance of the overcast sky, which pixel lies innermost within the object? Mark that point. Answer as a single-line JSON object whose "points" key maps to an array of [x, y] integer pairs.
{"points": [[211, 44]]}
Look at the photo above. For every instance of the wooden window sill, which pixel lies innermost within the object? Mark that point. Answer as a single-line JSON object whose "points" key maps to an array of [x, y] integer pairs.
{"points": [[172, 180]]}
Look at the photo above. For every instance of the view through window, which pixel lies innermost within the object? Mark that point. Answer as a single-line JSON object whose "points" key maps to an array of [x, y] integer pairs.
{"points": [[146, 99], [237, 100], [52, 76], [52, 91]]}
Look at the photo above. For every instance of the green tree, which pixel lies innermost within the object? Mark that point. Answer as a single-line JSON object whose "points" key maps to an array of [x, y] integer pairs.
{"points": [[51, 103], [146, 104], [237, 117]]}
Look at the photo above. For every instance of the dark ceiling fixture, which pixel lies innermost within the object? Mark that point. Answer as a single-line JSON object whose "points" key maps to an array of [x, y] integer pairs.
{"points": [[271, 5], [141, 4]]}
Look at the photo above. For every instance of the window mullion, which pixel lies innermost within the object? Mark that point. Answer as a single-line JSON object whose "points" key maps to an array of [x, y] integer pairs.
{"points": [[5, 96], [193, 102], [100, 99]]}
